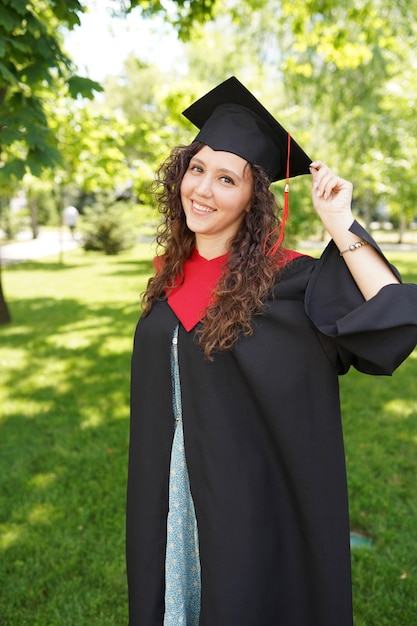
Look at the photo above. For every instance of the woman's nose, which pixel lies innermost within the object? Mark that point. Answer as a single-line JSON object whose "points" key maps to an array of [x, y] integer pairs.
{"points": [[204, 186]]}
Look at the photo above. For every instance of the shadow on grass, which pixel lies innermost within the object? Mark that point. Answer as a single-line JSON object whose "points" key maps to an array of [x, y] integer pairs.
{"points": [[136, 266], [127, 268], [63, 456], [25, 266], [379, 415], [381, 445]]}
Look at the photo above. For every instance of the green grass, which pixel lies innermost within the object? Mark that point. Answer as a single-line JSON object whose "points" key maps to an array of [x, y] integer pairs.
{"points": [[380, 424], [63, 438], [64, 390]]}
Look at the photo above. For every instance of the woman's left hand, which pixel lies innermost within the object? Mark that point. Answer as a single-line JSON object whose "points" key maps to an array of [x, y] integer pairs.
{"points": [[332, 196]]}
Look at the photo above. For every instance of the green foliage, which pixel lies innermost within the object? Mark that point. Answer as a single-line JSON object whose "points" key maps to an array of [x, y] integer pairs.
{"points": [[32, 64], [81, 86], [109, 228], [14, 222], [349, 67], [182, 14], [91, 141], [150, 106], [142, 94], [47, 213]]}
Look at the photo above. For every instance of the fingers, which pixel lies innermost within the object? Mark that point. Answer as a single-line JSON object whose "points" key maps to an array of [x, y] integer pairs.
{"points": [[324, 180]]}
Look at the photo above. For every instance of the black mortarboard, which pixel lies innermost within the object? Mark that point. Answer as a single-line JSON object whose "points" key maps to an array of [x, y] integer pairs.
{"points": [[231, 119]]}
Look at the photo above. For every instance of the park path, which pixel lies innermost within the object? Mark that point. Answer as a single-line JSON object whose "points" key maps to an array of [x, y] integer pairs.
{"points": [[49, 242], [53, 242]]}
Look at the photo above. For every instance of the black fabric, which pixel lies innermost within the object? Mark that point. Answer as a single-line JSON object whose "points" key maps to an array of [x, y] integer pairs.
{"points": [[264, 449]]}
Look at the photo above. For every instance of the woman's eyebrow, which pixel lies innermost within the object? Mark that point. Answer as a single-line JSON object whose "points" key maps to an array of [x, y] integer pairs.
{"points": [[231, 173], [224, 170]]}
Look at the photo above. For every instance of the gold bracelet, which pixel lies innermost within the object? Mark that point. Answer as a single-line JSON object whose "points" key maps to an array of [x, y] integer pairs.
{"points": [[354, 246]]}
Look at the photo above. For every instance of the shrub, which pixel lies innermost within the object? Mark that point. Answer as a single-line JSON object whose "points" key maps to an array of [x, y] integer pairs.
{"points": [[110, 228]]}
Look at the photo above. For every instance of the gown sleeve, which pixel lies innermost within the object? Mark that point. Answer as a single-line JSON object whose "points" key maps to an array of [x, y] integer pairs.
{"points": [[373, 336]]}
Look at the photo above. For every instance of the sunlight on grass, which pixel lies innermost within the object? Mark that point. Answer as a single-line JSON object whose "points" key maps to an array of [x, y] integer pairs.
{"points": [[43, 481], [73, 339], [25, 407], [42, 513], [93, 421], [401, 408], [11, 358], [116, 345], [9, 536]]}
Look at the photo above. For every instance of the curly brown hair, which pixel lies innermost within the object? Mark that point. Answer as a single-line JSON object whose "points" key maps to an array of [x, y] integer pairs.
{"points": [[242, 289]]}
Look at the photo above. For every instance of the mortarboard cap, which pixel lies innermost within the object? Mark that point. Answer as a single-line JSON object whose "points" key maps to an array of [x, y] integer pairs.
{"points": [[231, 119]]}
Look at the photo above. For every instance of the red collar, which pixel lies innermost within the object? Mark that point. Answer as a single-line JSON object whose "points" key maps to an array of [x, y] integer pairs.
{"points": [[193, 295]]}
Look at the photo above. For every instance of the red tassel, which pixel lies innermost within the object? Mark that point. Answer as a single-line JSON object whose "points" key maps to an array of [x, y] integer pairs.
{"points": [[285, 213]]}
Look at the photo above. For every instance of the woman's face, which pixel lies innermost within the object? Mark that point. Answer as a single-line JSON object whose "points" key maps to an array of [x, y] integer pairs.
{"points": [[216, 193]]}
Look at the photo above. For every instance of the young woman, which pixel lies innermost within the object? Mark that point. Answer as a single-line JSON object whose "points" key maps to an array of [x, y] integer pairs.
{"points": [[237, 510]]}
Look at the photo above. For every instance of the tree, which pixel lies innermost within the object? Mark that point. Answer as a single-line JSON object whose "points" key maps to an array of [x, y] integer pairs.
{"points": [[91, 141], [181, 14], [31, 61], [349, 66], [149, 102]]}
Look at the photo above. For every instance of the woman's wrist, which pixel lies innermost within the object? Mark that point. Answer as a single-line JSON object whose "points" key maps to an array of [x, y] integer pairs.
{"points": [[354, 246], [338, 227]]}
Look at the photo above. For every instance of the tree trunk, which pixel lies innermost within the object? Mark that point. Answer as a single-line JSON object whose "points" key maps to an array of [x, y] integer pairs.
{"points": [[402, 228], [34, 218], [367, 209], [4, 311]]}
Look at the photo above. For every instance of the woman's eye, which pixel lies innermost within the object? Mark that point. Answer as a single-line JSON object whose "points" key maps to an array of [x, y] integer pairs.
{"points": [[196, 168], [227, 180]]}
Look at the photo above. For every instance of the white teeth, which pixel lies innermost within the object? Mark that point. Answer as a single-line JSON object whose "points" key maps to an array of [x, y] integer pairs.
{"points": [[202, 208]]}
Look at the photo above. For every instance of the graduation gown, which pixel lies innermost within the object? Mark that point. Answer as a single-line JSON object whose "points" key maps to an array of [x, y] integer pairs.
{"points": [[264, 448]]}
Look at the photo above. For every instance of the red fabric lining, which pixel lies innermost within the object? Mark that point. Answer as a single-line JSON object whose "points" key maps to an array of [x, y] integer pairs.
{"points": [[192, 296]]}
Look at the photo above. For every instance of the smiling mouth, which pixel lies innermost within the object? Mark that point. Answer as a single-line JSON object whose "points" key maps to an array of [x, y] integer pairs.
{"points": [[201, 208]]}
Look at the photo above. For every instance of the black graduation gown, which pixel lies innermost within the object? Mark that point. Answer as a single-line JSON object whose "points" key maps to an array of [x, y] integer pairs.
{"points": [[264, 448]]}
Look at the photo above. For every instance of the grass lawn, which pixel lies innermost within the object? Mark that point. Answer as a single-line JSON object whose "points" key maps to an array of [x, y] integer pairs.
{"points": [[380, 425], [64, 437], [64, 390]]}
